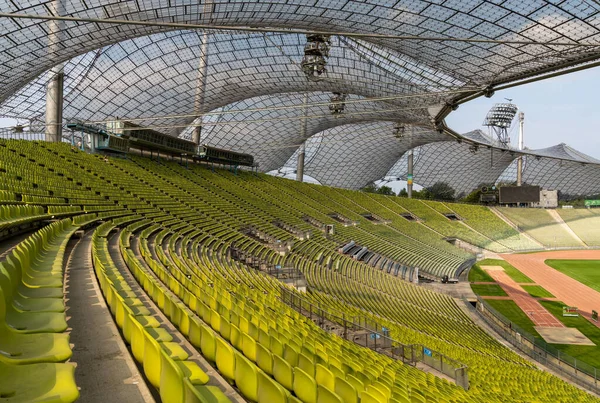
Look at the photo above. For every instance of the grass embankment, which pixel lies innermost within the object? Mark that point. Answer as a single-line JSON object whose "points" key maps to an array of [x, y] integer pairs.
{"points": [[512, 312], [537, 291], [476, 275], [508, 268], [488, 290], [585, 271]]}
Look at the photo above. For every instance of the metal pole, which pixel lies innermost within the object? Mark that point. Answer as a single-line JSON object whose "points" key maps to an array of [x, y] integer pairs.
{"points": [[301, 154], [202, 75], [520, 159], [300, 165], [409, 175], [54, 88]]}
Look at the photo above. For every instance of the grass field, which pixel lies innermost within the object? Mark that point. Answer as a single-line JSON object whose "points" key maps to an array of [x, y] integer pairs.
{"points": [[488, 290], [512, 312], [508, 268], [478, 275], [537, 291], [588, 354], [585, 271]]}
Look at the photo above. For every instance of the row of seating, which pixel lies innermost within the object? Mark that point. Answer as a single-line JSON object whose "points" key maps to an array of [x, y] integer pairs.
{"points": [[33, 342], [164, 362], [194, 215]]}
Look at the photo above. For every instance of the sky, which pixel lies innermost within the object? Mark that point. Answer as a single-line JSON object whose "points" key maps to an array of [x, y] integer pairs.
{"points": [[564, 109]]}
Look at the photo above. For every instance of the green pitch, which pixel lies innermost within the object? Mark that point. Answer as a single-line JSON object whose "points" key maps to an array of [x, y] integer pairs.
{"points": [[585, 271]]}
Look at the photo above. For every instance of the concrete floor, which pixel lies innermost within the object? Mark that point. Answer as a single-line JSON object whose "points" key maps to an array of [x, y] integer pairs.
{"points": [[106, 372]]}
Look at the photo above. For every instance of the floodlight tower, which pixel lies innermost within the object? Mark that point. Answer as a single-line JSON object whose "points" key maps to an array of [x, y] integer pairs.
{"points": [[499, 120]]}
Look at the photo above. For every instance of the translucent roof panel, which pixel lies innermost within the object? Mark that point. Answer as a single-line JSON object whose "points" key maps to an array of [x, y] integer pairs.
{"points": [[159, 75], [460, 165], [354, 155], [273, 126], [536, 36]]}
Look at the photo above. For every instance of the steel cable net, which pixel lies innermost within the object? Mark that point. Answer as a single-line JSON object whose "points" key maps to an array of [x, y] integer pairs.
{"points": [[145, 72], [29, 46], [354, 155]]}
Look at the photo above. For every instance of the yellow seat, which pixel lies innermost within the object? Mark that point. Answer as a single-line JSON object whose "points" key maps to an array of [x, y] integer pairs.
{"points": [[203, 394], [324, 395], [249, 347], [38, 383], [270, 391], [225, 358], [324, 377], [283, 372], [345, 390], [306, 364], [207, 344], [264, 360], [246, 378], [305, 386]]}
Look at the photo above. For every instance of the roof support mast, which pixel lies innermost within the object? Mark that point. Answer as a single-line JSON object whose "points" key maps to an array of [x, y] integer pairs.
{"points": [[301, 154], [55, 86], [520, 159], [202, 76]]}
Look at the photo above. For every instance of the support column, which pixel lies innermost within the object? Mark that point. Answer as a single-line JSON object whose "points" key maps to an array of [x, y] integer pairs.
{"points": [[520, 159], [202, 77], [54, 104], [301, 154], [300, 165], [409, 175], [54, 89]]}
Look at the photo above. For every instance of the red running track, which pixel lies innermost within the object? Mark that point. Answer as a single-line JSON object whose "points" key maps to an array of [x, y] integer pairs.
{"points": [[569, 291], [536, 312]]}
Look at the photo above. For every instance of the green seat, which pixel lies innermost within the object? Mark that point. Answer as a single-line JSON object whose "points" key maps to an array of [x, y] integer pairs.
{"points": [[31, 322], [283, 372], [270, 391], [305, 386], [38, 383], [225, 358], [33, 348], [324, 395], [23, 304], [246, 378]]}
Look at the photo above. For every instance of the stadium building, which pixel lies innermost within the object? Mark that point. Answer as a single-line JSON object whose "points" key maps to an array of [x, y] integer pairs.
{"points": [[146, 255]]}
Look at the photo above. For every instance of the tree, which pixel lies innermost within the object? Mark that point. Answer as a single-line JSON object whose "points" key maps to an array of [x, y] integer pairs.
{"points": [[385, 190], [403, 193], [370, 188], [439, 191]]}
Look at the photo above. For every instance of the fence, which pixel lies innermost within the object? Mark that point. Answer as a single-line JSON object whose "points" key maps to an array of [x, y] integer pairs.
{"points": [[368, 333], [535, 347]]}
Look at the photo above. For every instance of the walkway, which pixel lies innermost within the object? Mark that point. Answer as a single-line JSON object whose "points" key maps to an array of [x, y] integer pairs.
{"points": [[105, 369]]}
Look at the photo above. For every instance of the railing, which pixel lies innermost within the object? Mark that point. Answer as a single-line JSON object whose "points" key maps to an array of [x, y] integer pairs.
{"points": [[368, 333], [535, 347]]}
